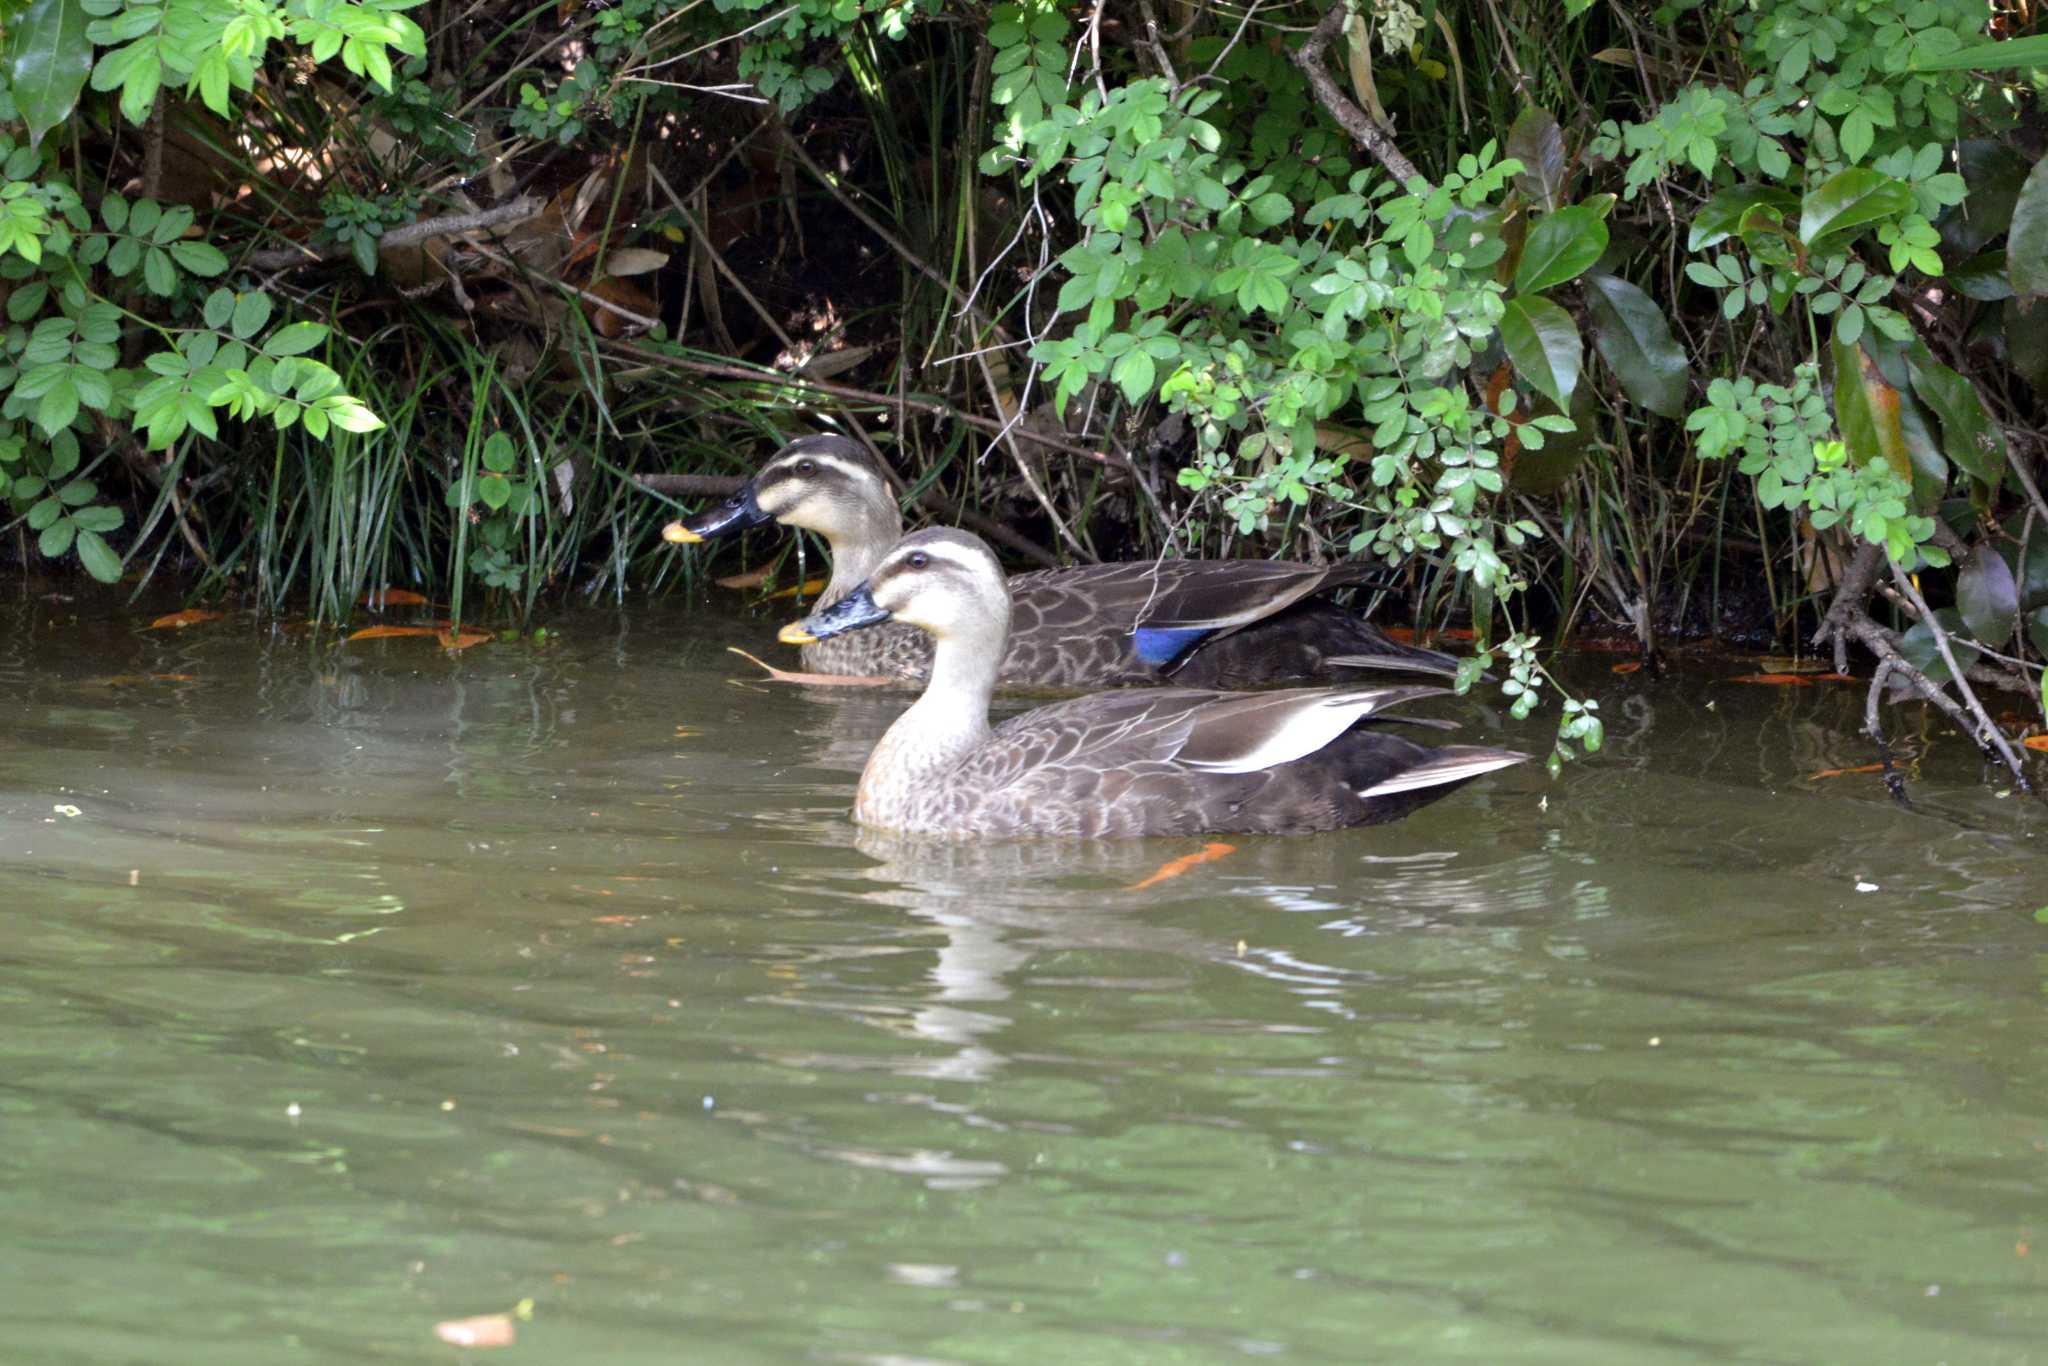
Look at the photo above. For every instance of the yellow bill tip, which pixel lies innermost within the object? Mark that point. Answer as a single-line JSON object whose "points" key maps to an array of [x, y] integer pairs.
{"points": [[675, 533], [795, 634]]}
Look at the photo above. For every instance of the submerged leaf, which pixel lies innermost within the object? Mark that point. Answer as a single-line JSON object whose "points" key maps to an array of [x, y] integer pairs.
{"points": [[191, 616], [1173, 868]]}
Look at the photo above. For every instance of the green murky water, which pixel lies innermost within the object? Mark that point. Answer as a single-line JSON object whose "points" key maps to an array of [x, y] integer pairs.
{"points": [[370, 987]]}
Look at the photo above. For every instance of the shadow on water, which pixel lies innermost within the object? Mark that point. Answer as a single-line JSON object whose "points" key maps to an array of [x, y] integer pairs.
{"points": [[370, 986]]}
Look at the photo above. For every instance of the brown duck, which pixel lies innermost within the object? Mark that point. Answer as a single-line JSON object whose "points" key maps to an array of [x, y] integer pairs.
{"points": [[1199, 623], [1164, 761]]}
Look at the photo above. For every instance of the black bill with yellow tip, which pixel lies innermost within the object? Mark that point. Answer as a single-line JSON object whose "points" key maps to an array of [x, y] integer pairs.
{"points": [[734, 514], [850, 613]]}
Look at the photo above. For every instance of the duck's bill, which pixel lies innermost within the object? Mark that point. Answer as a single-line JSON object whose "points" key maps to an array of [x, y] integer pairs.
{"points": [[734, 515], [850, 613]]}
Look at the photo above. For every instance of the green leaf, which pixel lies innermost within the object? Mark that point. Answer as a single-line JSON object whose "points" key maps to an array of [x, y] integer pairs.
{"points": [[2037, 634], [1134, 373], [1971, 440], [1636, 342], [219, 307], [1720, 216], [252, 313], [1867, 410], [1560, 246], [27, 301], [2026, 248], [57, 407], [1543, 342], [50, 58], [1850, 199], [296, 339], [2009, 54], [1270, 209], [158, 272], [1987, 597], [57, 539], [98, 557], [199, 258], [492, 489]]}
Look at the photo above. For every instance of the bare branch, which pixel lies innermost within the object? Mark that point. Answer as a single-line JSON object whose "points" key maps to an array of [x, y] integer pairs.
{"points": [[1355, 121]]}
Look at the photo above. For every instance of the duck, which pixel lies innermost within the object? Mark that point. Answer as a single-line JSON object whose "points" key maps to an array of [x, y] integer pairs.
{"points": [[1199, 623], [1119, 764]]}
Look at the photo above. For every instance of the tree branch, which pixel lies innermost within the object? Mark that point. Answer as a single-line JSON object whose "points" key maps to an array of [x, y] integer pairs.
{"points": [[412, 234], [1309, 58]]}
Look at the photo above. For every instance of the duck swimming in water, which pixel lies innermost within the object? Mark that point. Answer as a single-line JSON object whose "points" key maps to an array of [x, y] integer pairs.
{"points": [[1159, 761], [1197, 623]]}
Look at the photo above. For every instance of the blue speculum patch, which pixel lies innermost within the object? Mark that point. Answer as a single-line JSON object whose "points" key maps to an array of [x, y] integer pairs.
{"points": [[1160, 647]]}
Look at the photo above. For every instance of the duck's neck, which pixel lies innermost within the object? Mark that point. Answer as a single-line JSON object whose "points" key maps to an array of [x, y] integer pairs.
{"points": [[944, 726], [859, 545]]}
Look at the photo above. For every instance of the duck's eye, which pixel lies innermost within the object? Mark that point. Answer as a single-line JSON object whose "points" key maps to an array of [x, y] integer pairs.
{"points": [[807, 467], [920, 560]]}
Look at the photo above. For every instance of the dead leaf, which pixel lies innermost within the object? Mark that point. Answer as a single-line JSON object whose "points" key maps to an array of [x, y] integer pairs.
{"points": [[750, 578], [485, 1330], [2036, 742], [622, 294], [1173, 868], [633, 261], [1840, 772], [393, 632], [809, 588], [451, 641], [1775, 680], [191, 616], [1628, 666], [379, 599]]}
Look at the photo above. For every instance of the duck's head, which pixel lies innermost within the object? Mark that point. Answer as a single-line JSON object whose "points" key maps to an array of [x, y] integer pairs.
{"points": [[827, 484], [946, 583]]}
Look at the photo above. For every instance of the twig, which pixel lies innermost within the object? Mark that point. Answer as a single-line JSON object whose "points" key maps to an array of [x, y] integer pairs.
{"points": [[1355, 121], [718, 261], [505, 215], [1152, 40], [1989, 736]]}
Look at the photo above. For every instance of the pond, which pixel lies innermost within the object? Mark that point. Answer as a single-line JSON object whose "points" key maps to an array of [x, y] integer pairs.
{"points": [[351, 988]]}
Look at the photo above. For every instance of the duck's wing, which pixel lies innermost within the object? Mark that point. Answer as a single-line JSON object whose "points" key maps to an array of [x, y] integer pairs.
{"points": [[1251, 732], [1143, 615]]}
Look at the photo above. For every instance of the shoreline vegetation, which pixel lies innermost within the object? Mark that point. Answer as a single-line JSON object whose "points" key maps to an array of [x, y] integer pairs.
{"points": [[1593, 319]]}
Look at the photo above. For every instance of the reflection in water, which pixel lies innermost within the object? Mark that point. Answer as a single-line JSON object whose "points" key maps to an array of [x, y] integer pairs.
{"points": [[371, 986]]}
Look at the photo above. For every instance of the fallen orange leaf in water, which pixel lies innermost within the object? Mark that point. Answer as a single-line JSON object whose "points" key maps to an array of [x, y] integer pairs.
{"points": [[1404, 634], [377, 599], [1775, 680], [1628, 666], [1839, 772], [191, 616], [2036, 742], [450, 641], [1172, 868], [485, 1330], [748, 578], [392, 632]]}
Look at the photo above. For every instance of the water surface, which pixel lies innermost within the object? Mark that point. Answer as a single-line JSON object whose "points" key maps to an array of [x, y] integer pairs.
{"points": [[370, 986]]}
